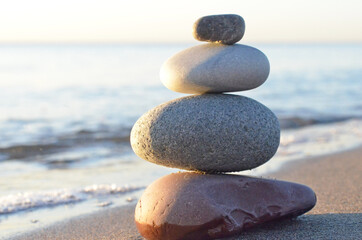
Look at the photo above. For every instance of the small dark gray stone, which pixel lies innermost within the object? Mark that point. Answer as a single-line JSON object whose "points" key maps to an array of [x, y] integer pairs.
{"points": [[211, 133], [226, 29]]}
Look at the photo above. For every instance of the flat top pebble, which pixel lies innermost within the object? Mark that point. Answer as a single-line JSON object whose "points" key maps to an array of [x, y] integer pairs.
{"points": [[225, 29]]}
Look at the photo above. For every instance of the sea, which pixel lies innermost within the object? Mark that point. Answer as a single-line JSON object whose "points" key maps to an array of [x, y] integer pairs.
{"points": [[66, 112]]}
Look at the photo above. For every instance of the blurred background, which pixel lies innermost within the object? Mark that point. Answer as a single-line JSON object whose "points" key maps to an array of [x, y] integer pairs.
{"points": [[76, 75]]}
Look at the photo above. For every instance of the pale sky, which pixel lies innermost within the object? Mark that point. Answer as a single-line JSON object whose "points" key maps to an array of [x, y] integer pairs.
{"points": [[171, 21]]}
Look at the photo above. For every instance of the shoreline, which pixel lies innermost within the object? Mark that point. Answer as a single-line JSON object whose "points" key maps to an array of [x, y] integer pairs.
{"points": [[334, 177], [337, 214]]}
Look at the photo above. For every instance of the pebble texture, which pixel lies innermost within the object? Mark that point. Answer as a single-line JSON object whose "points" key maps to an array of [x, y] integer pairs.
{"points": [[226, 29], [215, 68], [196, 206], [211, 133]]}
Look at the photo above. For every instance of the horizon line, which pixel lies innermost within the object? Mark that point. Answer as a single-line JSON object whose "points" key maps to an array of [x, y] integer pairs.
{"points": [[171, 42]]}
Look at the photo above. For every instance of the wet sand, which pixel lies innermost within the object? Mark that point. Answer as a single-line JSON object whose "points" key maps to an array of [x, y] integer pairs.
{"points": [[335, 178]]}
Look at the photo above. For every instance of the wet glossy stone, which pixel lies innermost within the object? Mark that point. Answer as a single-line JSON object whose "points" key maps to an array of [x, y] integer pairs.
{"points": [[198, 206]]}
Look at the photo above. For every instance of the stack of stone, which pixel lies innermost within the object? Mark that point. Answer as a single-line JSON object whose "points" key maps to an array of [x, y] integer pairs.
{"points": [[213, 133]]}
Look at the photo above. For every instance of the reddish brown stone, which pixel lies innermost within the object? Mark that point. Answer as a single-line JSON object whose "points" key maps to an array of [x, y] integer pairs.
{"points": [[197, 206]]}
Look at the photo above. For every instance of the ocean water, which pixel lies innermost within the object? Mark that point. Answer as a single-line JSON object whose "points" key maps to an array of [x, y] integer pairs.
{"points": [[66, 112]]}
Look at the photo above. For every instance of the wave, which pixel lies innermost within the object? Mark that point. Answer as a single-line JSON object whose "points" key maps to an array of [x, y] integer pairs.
{"points": [[289, 122], [42, 150], [29, 200], [62, 143]]}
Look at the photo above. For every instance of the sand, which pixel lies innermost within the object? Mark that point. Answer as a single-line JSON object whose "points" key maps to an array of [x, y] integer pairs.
{"points": [[336, 179]]}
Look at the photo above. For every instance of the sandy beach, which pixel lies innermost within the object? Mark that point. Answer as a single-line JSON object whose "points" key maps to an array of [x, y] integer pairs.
{"points": [[335, 178]]}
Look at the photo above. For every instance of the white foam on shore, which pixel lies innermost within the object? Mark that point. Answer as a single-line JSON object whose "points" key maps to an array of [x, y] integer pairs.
{"points": [[27, 200], [313, 141]]}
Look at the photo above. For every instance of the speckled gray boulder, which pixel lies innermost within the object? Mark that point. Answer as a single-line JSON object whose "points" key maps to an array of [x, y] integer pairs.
{"points": [[211, 133], [226, 29], [215, 68]]}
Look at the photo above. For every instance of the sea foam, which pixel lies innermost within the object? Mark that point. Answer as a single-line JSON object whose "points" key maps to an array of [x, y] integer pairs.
{"points": [[27, 200]]}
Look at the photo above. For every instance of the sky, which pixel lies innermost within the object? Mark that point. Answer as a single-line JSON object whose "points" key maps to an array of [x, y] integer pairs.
{"points": [[171, 21]]}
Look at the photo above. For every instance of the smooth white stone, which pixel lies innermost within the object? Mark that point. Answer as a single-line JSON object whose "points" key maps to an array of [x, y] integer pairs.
{"points": [[215, 68]]}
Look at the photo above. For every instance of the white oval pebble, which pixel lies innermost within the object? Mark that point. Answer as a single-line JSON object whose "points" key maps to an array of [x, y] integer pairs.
{"points": [[215, 68]]}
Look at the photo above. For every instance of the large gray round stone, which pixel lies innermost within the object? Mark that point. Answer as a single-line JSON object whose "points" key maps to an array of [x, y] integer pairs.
{"points": [[211, 133], [226, 29], [215, 68]]}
